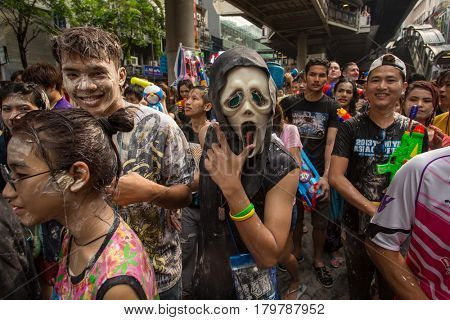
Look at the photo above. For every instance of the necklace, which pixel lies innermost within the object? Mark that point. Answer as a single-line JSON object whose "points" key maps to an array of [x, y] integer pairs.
{"points": [[92, 241]]}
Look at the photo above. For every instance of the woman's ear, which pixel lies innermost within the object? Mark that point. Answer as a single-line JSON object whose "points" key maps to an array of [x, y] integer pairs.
{"points": [[81, 175], [208, 106]]}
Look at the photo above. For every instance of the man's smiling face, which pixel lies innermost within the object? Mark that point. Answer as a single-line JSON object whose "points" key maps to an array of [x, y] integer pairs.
{"points": [[94, 84]]}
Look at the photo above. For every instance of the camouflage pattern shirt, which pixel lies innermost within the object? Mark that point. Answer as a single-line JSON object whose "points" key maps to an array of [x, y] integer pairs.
{"points": [[157, 150]]}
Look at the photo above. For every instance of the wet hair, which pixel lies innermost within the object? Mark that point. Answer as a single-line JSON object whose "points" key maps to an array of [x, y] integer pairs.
{"points": [[43, 74], [187, 83], [286, 105], [63, 137], [443, 76], [317, 62], [134, 90], [87, 43], [428, 86], [35, 94], [16, 74], [355, 97]]}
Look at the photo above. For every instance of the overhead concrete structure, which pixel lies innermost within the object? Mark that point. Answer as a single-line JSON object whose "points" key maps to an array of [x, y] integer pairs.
{"points": [[344, 28]]}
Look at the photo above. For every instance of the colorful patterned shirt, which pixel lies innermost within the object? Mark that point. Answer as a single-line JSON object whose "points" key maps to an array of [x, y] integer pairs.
{"points": [[157, 150], [417, 205], [121, 259]]}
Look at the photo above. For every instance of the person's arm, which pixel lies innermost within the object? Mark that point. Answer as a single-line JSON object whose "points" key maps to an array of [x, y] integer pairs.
{"points": [[121, 292], [265, 240], [323, 181], [331, 137], [389, 229], [177, 172], [342, 151], [345, 188], [396, 272], [133, 188]]}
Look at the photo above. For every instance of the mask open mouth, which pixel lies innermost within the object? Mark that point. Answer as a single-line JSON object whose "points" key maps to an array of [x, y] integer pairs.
{"points": [[248, 130]]}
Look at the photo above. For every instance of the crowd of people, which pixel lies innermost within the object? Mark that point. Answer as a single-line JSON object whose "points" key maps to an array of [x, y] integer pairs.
{"points": [[105, 197]]}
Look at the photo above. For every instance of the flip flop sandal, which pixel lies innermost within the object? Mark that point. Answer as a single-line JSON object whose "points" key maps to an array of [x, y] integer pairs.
{"points": [[300, 291]]}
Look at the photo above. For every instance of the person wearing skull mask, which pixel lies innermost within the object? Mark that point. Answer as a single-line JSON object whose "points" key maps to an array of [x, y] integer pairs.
{"points": [[241, 168]]}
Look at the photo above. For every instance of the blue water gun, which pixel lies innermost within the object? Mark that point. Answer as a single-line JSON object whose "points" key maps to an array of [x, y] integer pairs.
{"points": [[309, 179]]}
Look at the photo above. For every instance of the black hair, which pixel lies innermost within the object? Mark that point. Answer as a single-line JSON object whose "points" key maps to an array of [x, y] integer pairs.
{"points": [[355, 97], [428, 86], [87, 43], [348, 64], [443, 76], [43, 74], [135, 90], [416, 77], [15, 74], [64, 137], [286, 105], [36, 94], [187, 83], [317, 62], [205, 97]]}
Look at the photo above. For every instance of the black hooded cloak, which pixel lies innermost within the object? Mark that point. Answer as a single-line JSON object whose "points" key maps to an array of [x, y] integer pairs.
{"points": [[218, 238]]}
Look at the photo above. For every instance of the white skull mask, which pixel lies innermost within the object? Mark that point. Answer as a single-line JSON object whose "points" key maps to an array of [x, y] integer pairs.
{"points": [[247, 104]]}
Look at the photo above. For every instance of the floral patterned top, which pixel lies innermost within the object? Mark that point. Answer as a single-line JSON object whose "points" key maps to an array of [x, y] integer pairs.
{"points": [[121, 259]]}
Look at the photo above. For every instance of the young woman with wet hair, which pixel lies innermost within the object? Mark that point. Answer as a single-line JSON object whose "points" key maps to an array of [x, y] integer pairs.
{"points": [[60, 164]]}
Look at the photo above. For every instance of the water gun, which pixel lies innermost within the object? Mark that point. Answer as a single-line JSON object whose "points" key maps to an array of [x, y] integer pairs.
{"points": [[343, 115], [152, 94], [140, 82], [308, 182], [410, 146], [181, 103]]}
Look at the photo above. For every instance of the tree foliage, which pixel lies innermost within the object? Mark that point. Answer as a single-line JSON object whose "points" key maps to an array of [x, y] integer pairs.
{"points": [[135, 22], [29, 18]]}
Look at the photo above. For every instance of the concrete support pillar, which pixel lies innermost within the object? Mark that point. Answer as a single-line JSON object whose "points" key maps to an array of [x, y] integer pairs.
{"points": [[179, 28], [302, 50]]}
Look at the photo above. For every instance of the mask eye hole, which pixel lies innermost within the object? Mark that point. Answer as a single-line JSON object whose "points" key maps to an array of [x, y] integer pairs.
{"points": [[235, 100], [257, 97]]}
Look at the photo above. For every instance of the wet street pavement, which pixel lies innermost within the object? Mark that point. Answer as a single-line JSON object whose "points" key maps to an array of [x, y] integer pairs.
{"points": [[315, 291]]}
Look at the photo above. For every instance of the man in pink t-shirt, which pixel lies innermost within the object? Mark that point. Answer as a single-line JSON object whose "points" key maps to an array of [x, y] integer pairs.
{"points": [[417, 204]]}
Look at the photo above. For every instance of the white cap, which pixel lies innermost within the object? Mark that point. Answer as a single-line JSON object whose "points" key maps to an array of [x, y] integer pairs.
{"points": [[389, 59]]}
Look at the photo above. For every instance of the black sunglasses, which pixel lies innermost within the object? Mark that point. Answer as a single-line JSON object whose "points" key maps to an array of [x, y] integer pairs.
{"points": [[6, 174]]}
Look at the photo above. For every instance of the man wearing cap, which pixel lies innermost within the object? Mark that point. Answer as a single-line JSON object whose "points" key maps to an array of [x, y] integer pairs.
{"points": [[361, 144]]}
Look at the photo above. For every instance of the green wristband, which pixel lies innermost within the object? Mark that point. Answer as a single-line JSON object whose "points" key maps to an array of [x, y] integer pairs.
{"points": [[244, 212]]}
